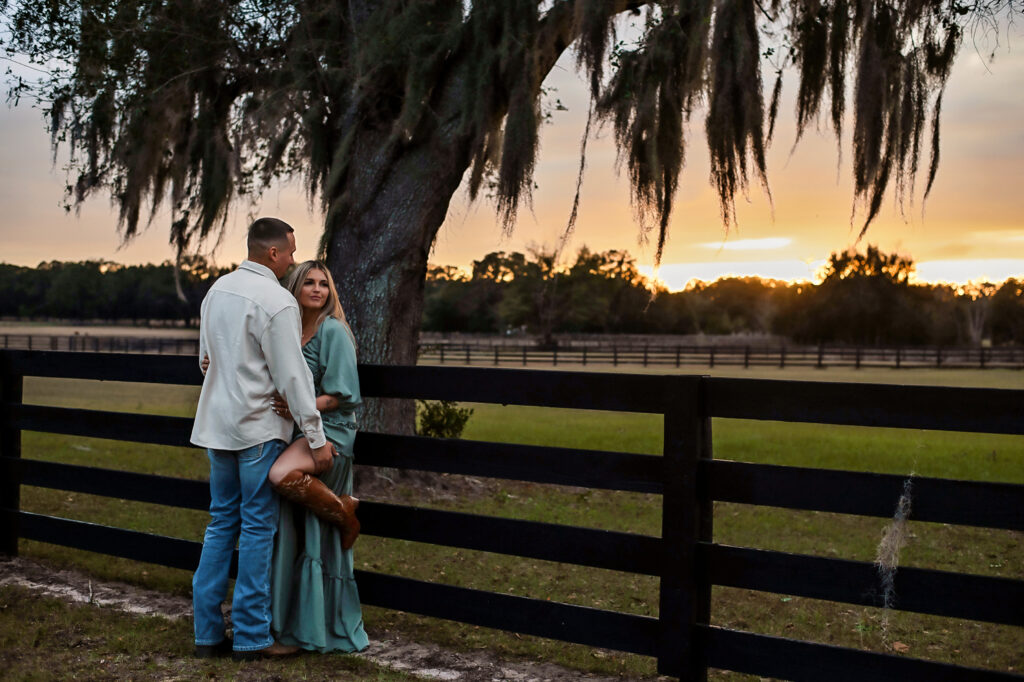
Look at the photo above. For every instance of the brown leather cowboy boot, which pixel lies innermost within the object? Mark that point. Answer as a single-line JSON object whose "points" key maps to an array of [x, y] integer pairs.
{"points": [[310, 492]]}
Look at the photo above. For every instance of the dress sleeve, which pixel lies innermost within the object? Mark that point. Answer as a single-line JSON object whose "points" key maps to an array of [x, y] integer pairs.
{"points": [[338, 364]]}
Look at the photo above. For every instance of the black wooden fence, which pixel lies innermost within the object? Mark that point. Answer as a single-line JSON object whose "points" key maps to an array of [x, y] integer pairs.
{"points": [[658, 355], [688, 479]]}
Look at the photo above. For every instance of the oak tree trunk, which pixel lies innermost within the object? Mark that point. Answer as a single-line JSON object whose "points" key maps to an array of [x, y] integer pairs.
{"points": [[378, 249]]}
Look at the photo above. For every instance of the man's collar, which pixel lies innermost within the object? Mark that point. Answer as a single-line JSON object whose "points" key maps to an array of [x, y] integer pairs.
{"points": [[258, 268]]}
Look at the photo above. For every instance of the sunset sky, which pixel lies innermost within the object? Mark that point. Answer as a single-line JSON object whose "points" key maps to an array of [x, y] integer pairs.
{"points": [[971, 227]]}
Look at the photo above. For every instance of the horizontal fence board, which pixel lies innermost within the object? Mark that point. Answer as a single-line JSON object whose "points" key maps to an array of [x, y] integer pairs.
{"points": [[128, 544], [126, 485], [538, 464], [941, 593], [554, 620], [968, 503], [159, 369], [789, 659], [590, 391], [575, 353], [125, 426], [611, 550], [942, 408]]}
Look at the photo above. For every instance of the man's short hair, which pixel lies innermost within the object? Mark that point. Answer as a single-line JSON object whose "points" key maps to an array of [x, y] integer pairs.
{"points": [[267, 232]]}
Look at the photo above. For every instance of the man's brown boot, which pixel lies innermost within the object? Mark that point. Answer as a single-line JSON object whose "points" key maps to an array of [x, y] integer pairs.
{"points": [[275, 650], [310, 492]]}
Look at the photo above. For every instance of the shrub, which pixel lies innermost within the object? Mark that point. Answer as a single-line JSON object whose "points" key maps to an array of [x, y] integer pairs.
{"points": [[441, 419]]}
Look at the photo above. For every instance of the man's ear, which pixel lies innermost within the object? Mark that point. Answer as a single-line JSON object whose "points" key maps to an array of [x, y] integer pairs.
{"points": [[273, 252]]}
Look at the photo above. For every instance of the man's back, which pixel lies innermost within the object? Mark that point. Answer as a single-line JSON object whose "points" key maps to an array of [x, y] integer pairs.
{"points": [[241, 315]]}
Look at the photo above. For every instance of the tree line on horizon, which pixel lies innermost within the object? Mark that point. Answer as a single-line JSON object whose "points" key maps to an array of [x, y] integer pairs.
{"points": [[864, 298]]}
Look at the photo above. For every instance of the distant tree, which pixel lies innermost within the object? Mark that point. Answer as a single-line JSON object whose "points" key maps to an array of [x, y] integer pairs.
{"points": [[740, 304], [73, 291], [607, 293], [873, 262], [976, 306], [1008, 312], [382, 106], [865, 298]]}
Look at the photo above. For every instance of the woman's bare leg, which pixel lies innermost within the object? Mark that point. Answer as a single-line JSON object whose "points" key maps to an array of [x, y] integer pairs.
{"points": [[296, 457], [292, 477]]}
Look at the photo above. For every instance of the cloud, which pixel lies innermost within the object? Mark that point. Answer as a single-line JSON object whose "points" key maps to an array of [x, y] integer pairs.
{"points": [[962, 271], [676, 276], [750, 244]]}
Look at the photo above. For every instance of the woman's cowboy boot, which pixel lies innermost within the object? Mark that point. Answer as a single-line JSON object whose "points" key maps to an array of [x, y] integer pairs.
{"points": [[311, 493]]}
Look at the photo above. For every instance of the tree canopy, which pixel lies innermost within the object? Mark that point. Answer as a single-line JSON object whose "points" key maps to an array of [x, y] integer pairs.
{"points": [[204, 102]]}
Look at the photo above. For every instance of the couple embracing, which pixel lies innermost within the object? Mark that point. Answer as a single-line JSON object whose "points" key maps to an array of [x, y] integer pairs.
{"points": [[275, 416]]}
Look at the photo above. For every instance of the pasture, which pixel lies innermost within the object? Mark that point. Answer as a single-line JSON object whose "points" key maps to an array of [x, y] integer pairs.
{"points": [[903, 452]]}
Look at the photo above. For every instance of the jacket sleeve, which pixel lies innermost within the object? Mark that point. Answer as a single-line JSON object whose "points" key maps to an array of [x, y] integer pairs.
{"points": [[282, 348]]}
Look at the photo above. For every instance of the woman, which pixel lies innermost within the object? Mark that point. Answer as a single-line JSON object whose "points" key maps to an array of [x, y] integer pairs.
{"points": [[315, 601]]}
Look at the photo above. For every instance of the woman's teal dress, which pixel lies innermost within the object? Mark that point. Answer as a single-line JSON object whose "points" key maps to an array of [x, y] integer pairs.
{"points": [[315, 602]]}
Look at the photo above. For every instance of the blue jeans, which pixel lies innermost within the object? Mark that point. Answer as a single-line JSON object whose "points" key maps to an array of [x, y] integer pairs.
{"points": [[243, 510]]}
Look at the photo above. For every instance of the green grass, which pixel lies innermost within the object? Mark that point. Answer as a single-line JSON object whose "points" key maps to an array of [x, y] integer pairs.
{"points": [[48, 639], [902, 452]]}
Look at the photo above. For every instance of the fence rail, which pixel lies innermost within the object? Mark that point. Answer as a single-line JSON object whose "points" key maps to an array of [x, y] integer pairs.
{"points": [[686, 476], [512, 354], [101, 343], [898, 357]]}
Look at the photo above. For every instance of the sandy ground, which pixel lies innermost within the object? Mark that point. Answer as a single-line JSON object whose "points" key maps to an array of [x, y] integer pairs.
{"points": [[427, 661]]}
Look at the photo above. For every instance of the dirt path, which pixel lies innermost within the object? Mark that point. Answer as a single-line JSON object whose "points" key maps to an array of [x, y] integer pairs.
{"points": [[427, 661]]}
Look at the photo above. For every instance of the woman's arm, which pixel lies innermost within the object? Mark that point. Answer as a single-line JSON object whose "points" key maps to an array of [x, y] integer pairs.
{"points": [[327, 403], [324, 403]]}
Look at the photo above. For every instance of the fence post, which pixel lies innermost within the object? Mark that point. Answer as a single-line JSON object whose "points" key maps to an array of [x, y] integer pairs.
{"points": [[524, 356], [821, 355], [584, 356], [746, 357], [685, 588], [711, 357], [938, 356], [678, 350], [782, 357], [467, 355], [497, 360], [897, 357], [856, 359], [981, 357], [615, 356], [10, 447]]}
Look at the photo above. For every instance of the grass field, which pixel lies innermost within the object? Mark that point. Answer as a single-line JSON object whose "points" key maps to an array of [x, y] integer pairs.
{"points": [[924, 453]]}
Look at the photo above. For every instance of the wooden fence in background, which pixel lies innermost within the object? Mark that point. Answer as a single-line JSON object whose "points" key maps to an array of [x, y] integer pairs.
{"points": [[686, 477], [614, 354], [1007, 357]]}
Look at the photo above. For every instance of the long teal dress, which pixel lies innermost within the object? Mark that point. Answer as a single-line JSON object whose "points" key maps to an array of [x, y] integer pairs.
{"points": [[315, 602]]}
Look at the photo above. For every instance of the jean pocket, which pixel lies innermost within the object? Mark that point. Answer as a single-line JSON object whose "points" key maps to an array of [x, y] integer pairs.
{"points": [[252, 454]]}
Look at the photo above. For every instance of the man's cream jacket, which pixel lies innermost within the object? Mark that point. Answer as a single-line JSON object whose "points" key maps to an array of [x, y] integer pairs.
{"points": [[250, 327]]}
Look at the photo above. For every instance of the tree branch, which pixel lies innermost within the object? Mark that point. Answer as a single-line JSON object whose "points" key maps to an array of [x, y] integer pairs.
{"points": [[558, 30]]}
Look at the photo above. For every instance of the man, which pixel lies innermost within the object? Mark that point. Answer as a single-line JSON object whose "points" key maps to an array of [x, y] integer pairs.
{"points": [[249, 328]]}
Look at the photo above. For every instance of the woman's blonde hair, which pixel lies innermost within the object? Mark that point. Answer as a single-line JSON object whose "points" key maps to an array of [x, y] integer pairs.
{"points": [[332, 306]]}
